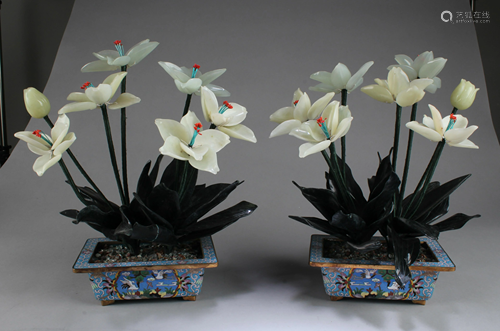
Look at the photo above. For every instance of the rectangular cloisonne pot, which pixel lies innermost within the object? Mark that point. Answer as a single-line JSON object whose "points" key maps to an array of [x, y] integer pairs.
{"points": [[375, 279], [145, 280]]}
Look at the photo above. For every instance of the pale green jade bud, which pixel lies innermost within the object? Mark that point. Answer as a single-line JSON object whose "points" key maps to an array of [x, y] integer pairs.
{"points": [[464, 94], [37, 104]]}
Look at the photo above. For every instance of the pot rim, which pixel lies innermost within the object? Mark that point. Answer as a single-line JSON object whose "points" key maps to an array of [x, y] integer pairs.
{"points": [[82, 264], [316, 258]]}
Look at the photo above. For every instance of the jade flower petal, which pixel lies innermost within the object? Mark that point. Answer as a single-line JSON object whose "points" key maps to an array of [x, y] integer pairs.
{"points": [[50, 148], [186, 141], [190, 81], [301, 111], [464, 95], [424, 66], [37, 104], [110, 60], [95, 97], [398, 88], [436, 128], [226, 118], [334, 123], [340, 78]]}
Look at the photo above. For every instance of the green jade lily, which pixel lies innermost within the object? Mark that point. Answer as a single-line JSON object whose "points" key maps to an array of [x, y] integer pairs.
{"points": [[110, 60], [453, 129], [334, 123], [50, 148], [339, 79], [186, 141], [424, 66], [190, 81], [226, 118], [301, 111], [95, 97]]}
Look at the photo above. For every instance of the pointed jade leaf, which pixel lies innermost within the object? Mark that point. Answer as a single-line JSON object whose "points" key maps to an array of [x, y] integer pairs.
{"points": [[153, 233], [165, 202], [218, 221], [71, 213], [104, 222], [454, 222], [153, 217], [321, 225], [325, 201]]}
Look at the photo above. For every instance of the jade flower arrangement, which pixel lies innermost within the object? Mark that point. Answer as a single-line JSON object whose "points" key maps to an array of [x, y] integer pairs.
{"points": [[347, 213], [170, 211]]}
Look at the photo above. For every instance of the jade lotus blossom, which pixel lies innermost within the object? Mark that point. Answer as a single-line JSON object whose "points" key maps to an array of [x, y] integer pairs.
{"points": [[95, 97], [37, 104], [190, 81], [226, 118], [452, 128], [340, 78], [334, 123], [424, 66], [110, 60], [50, 148], [398, 88], [464, 95], [301, 111], [186, 141]]}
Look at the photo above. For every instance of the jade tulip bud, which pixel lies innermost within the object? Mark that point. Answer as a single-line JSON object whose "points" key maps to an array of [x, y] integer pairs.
{"points": [[37, 104], [464, 94]]}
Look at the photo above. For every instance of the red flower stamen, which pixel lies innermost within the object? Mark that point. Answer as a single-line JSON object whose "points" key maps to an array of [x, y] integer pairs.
{"points": [[196, 66], [320, 121], [198, 127], [296, 102], [84, 86], [117, 42], [453, 117], [37, 133], [228, 105]]}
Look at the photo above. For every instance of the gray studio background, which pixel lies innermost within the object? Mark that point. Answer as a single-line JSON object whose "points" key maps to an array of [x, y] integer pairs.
{"points": [[270, 48]]}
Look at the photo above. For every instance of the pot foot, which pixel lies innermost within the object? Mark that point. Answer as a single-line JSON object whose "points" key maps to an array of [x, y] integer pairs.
{"points": [[332, 298], [107, 302], [419, 302], [191, 298]]}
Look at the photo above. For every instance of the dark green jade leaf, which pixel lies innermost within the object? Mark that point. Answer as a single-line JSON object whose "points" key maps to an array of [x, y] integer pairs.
{"points": [[454, 222]]}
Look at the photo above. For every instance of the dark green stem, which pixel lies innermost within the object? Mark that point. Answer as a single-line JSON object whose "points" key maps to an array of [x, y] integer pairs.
{"points": [[112, 154], [454, 111], [397, 129], [337, 177], [72, 182], [186, 105], [425, 180], [80, 168], [213, 126], [124, 140], [343, 102], [406, 170]]}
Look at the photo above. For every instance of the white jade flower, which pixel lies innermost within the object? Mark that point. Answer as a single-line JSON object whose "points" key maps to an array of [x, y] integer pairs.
{"points": [[340, 78], [37, 104], [226, 118], [190, 81], [186, 141], [424, 66], [101, 95], [398, 88], [334, 123], [452, 128], [50, 148], [110, 60], [464, 95], [301, 111]]}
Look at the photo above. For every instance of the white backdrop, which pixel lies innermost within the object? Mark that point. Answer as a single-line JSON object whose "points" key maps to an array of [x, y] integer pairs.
{"points": [[269, 49]]}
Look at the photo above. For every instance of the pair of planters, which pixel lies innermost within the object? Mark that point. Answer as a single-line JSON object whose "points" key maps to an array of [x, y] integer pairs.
{"points": [[183, 278]]}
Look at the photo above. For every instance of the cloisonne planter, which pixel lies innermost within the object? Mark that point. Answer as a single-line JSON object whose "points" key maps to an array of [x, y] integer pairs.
{"points": [[375, 279], [145, 280]]}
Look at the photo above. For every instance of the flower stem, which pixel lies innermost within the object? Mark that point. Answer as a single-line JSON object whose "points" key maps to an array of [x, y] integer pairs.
{"points": [[343, 102], [124, 140], [186, 105], [112, 154], [397, 129], [429, 172], [337, 177], [80, 168], [406, 170], [72, 182]]}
